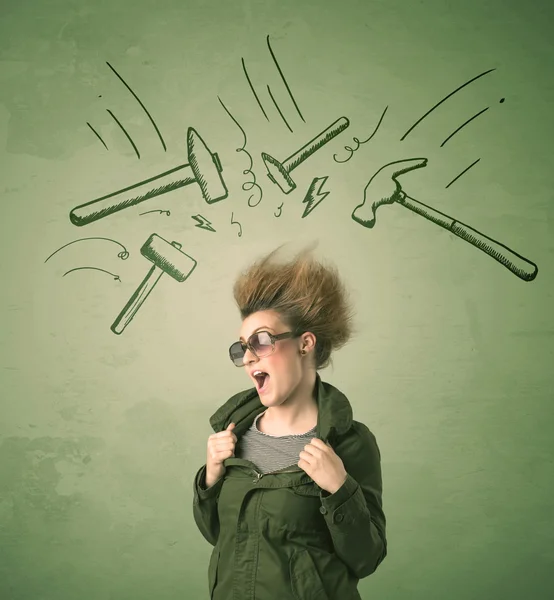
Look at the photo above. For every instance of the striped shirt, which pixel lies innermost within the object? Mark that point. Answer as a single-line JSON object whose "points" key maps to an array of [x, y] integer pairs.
{"points": [[269, 452]]}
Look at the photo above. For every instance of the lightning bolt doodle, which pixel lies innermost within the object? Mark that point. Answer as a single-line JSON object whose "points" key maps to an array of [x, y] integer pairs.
{"points": [[314, 191], [203, 223]]}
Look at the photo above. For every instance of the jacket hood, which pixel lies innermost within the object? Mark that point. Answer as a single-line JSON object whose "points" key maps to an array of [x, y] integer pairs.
{"points": [[334, 411]]}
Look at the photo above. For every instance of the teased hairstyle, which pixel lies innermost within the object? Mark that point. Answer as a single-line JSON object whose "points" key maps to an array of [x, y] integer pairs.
{"points": [[307, 295]]}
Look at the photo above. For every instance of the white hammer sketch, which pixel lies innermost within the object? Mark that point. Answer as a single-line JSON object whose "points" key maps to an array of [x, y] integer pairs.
{"points": [[383, 188]]}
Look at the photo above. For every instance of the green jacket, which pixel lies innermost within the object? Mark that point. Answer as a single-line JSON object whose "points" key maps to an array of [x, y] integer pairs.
{"points": [[279, 535]]}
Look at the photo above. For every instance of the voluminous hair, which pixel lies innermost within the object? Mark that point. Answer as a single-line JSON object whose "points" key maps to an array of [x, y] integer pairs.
{"points": [[307, 295]]}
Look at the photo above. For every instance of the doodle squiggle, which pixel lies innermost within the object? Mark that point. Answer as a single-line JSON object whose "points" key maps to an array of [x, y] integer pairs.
{"points": [[247, 185], [352, 150], [116, 277], [123, 255], [166, 212]]}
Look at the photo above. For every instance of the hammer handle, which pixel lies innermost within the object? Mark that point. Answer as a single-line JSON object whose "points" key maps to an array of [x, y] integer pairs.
{"points": [[116, 201], [520, 266], [136, 300], [314, 144]]}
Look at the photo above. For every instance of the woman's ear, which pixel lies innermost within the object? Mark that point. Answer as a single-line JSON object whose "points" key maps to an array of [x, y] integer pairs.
{"points": [[309, 341]]}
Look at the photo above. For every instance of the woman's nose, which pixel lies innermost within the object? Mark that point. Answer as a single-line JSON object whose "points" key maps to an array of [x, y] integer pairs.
{"points": [[248, 356]]}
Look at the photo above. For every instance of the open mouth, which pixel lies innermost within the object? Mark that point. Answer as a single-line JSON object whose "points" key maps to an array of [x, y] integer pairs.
{"points": [[261, 381]]}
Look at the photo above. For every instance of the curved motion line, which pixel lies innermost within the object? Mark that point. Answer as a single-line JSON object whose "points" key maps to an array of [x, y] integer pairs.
{"points": [[464, 171], [97, 135], [125, 132], [122, 255], [167, 212], [443, 100], [116, 277], [247, 185], [142, 105], [252, 89], [278, 109], [464, 124], [284, 80], [352, 150]]}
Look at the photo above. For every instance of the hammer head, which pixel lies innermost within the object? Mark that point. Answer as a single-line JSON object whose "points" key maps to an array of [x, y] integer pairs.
{"points": [[206, 168], [384, 188], [278, 174], [168, 257]]}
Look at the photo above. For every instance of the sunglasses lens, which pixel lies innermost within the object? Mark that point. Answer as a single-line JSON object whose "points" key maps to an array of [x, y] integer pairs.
{"points": [[237, 354], [261, 342]]}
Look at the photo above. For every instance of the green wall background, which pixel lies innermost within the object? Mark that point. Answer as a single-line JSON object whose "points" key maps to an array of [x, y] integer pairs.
{"points": [[101, 434]]}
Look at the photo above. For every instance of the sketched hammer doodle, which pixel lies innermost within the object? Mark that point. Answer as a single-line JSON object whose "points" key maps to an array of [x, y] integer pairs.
{"points": [[167, 258], [384, 188], [204, 168], [279, 172]]}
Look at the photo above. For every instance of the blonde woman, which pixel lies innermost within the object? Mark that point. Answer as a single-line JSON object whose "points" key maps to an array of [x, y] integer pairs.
{"points": [[291, 493]]}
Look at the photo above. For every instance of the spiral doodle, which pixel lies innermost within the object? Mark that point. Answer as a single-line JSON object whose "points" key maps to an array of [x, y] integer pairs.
{"points": [[358, 142], [247, 185]]}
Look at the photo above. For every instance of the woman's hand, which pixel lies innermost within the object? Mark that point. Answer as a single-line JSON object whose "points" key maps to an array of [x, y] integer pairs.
{"points": [[323, 465]]}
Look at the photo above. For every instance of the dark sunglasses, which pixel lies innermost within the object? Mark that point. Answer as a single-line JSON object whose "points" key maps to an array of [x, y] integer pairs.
{"points": [[261, 343]]}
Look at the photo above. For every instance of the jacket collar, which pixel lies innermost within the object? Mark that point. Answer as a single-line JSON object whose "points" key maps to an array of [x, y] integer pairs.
{"points": [[334, 411]]}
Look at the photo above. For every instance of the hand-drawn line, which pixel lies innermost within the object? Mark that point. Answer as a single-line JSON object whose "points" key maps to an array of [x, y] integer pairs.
{"points": [[443, 100], [278, 172], [142, 105], [464, 171], [247, 185], [384, 188], [97, 135], [314, 191], [124, 131], [278, 109], [116, 277], [124, 255], [464, 124], [167, 258], [252, 88], [284, 80], [355, 139], [204, 168], [167, 213], [280, 209], [237, 223], [468, 121], [203, 223]]}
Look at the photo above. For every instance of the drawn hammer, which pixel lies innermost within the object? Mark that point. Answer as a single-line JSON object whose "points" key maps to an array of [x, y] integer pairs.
{"points": [[167, 258], [279, 172], [384, 188], [204, 168]]}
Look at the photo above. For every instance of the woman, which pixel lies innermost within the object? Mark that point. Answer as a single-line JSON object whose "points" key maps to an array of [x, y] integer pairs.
{"points": [[291, 493]]}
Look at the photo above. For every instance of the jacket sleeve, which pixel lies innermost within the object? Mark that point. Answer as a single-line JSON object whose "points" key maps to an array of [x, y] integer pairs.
{"points": [[354, 513], [204, 506]]}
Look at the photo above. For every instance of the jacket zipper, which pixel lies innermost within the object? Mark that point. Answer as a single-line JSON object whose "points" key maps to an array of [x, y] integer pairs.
{"points": [[260, 475]]}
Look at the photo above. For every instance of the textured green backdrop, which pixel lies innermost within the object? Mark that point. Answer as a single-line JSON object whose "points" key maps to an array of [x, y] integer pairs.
{"points": [[101, 434]]}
